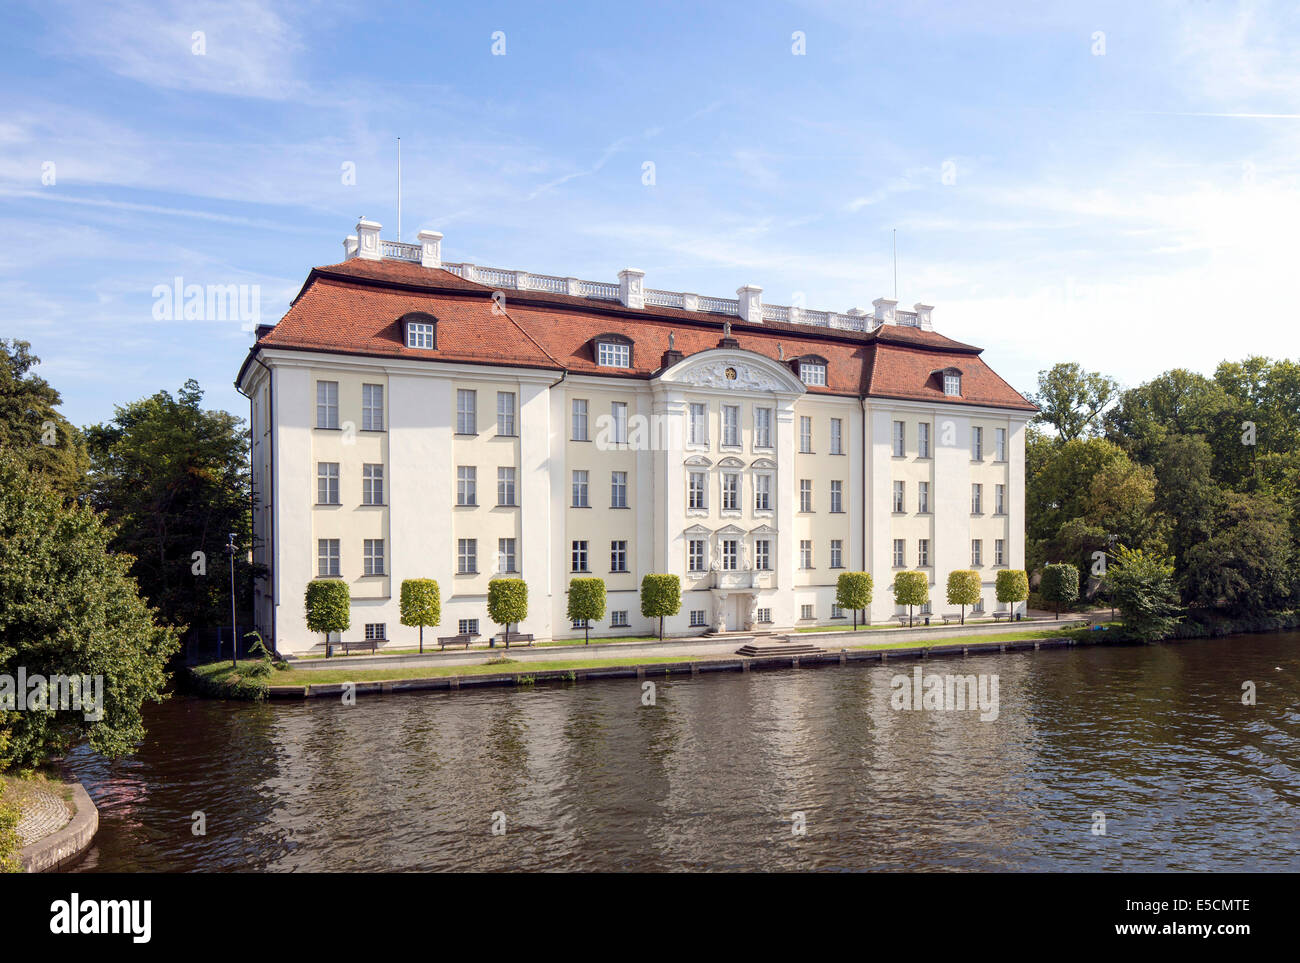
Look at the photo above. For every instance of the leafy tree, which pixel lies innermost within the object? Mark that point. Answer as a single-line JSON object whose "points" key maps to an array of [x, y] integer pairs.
{"points": [[175, 479], [69, 607], [1071, 400], [586, 602], [853, 591], [1142, 587], [661, 596], [1012, 586], [1060, 489], [963, 589], [420, 604], [507, 602], [1178, 402], [30, 426], [1186, 495], [1060, 585], [911, 588], [1247, 562], [329, 607]]}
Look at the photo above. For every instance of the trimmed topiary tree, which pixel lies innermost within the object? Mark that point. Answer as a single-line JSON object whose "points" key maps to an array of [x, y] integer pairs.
{"points": [[329, 607], [507, 602], [963, 589], [1012, 586], [853, 591], [911, 588], [1059, 585], [661, 595], [421, 604], [586, 602], [1142, 587]]}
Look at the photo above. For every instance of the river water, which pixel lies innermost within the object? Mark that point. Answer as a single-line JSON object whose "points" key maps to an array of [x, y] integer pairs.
{"points": [[712, 776]]}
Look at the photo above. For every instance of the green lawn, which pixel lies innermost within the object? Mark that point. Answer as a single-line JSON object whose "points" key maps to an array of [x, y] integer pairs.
{"points": [[433, 646], [1021, 636]]}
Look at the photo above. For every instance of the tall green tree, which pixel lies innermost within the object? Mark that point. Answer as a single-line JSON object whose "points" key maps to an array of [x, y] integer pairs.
{"points": [[1071, 401], [1246, 563], [175, 479], [507, 602], [420, 604], [30, 426], [586, 603], [69, 606], [1141, 585]]}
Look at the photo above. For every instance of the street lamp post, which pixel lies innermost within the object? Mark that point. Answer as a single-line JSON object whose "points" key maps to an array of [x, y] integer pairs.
{"points": [[234, 632]]}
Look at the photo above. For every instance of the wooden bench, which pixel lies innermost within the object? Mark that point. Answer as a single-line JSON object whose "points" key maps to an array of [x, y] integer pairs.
{"points": [[903, 620], [950, 617], [371, 644], [515, 637], [465, 638], [999, 616]]}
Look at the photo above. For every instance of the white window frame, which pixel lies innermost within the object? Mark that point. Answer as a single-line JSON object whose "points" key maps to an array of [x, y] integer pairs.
{"points": [[805, 495], [467, 556], [952, 384], [812, 373], [506, 413], [507, 493], [618, 555], [618, 489], [837, 496], [578, 424], [466, 411], [612, 354], [837, 436], [731, 426], [899, 447], [327, 404], [327, 483], [805, 435], [580, 489], [372, 556], [732, 491], [419, 334], [900, 553], [329, 563], [697, 553], [762, 427], [372, 407], [466, 486], [697, 491], [507, 555], [580, 555], [923, 439], [697, 415], [372, 484]]}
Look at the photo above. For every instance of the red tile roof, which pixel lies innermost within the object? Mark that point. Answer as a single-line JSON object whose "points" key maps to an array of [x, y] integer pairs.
{"points": [[353, 308]]}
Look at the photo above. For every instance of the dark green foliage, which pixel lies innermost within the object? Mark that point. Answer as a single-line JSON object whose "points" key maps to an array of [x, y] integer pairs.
{"points": [[507, 602], [586, 602], [329, 606], [1141, 586], [911, 589], [661, 596], [32, 429], [1060, 585], [421, 604], [853, 591], [963, 589]]}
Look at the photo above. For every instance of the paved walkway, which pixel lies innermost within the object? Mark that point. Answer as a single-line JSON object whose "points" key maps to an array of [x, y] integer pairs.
{"points": [[44, 811]]}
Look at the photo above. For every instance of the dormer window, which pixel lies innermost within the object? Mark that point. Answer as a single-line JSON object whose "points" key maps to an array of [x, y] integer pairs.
{"points": [[952, 383], [420, 330], [613, 351], [812, 372]]}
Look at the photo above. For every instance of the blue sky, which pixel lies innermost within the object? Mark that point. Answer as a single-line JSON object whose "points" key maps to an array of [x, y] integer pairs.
{"points": [[1134, 208]]}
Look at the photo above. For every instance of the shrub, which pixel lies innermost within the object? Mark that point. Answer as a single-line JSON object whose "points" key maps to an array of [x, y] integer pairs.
{"points": [[329, 607], [10, 844], [421, 604], [963, 589], [1142, 587], [507, 602], [586, 602], [263, 665], [911, 588], [1059, 585], [1012, 586], [661, 595], [853, 591]]}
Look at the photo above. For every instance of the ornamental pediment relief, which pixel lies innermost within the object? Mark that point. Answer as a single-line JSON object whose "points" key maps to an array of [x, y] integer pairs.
{"points": [[764, 464], [731, 462], [733, 371], [697, 531], [697, 461]]}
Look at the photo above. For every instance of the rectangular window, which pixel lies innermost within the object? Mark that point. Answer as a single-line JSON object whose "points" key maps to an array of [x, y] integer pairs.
{"points": [[373, 556], [730, 491], [1000, 444], [466, 485], [923, 497], [900, 496], [976, 552], [506, 413], [923, 553], [580, 489], [900, 439], [837, 496], [762, 493], [618, 619], [805, 433], [506, 555], [372, 484], [762, 427], [806, 612], [699, 424], [977, 499], [765, 616], [812, 374], [805, 553], [899, 548], [977, 444], [805, 495], [837, 553], [466, 411], [467, 556], [372, 407], [419, 334], [327, 557], [999, 551], [618, 556], [836, 611], [731, 425], [837, 436], [698, 618], [730, 554], [506, 487], [923, 439], [696, 489], [327, 483], [579, 558], [695, 555], [327, 404], [978, 607], [1000, 499], [952, 384], [763, 554], [618, 417], [467, 626], [376, 631], [580, 419], [611, 355], [618, 489]]}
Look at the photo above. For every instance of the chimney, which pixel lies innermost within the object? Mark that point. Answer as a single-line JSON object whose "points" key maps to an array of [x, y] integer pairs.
{"points": [[349, 247], [885, 308], [923, 315], [430, 249], [631, 287], [751, 303], [368, 240]]}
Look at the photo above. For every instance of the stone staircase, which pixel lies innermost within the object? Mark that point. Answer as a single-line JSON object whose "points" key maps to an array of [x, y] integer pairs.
{"points": [[757, 648]]}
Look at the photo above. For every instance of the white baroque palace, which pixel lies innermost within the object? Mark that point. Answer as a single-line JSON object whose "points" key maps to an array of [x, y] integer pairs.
{"points": [[419, 419]]}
